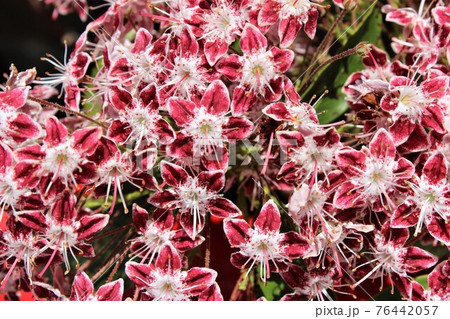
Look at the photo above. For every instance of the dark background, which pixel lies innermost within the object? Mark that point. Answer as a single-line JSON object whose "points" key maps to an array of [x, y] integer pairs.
{"points": [[28, 32]]}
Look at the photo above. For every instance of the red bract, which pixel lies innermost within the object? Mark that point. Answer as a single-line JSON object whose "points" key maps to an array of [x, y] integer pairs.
{"points": [[264, 244], [167, 282]]}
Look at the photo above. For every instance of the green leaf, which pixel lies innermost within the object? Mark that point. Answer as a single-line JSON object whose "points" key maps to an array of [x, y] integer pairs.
{"points": [[423, 280], [272, 290], [334, 76]]}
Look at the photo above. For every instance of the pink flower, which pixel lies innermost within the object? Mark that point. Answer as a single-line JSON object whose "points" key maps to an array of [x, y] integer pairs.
{"points": [[65, 231], [429, 202], [391, 258], [61, 159], [156, 233], [373, 174], [292, 15], [139, 119], [166, 281], [438, 283], [258, 71], [310, 284], [194, 196], [264, 244], [16, 126], [205, 126], [83, 289]]}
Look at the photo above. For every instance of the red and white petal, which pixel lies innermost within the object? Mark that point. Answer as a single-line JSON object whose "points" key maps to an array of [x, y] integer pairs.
{"points": [[213, 181], [382, 146], [149, 97], [56, 131], [33, 219], [198, 279], [401, 17], [140, 218], [435, 169], [252, 40], [269, 218], [230, 66], [119, 131], [79, 65], [223, 208], [172, 174], [142, 40], [277, 111], [439, 279], [347, 196], [311, 24], [212, 293], [85, 140], [183, 242], [140, 274], [165, 132], [168, 260], [22, 127], [288, 29], [292, 245], [242, 100], [182, 111], [214, 50], [433, 117], [238, 231], [112, 291], [237, 128], [282, 59], [187, 222], [82, 287], [351, 162], [290, 139], [269, 13], [216, 99], [15, 98], [406, 215], [163, 219], [439, 229], [6, 157], [120, 98], [415, 259], [91, 225], [163, 199]]}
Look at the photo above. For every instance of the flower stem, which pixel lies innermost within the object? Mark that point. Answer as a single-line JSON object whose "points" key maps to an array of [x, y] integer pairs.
{"points": [[335, 58], [65, 109]]}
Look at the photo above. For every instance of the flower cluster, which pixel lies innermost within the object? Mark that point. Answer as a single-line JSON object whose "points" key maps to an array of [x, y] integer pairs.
{"points": [[189, 114]]}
